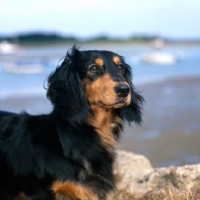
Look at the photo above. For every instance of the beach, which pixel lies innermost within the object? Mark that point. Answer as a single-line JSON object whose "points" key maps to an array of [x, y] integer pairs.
{"points": [[170, 132]]}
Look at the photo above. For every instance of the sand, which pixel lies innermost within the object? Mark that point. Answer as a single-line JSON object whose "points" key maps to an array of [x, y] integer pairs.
{"points": [[170, 133]]}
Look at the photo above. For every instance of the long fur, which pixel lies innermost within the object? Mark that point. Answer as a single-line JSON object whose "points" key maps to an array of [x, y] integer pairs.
{"points": [[69, 153]]}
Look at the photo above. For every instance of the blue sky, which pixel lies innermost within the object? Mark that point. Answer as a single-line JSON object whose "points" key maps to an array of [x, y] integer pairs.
{"points": [[88, 18]]}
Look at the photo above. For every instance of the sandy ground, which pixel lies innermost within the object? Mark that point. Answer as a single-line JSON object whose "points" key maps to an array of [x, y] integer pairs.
{"points": [[170, 133]]}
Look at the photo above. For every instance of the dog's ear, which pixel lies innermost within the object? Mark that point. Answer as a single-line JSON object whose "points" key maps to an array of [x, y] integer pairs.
{"points": [[132, 112], [65, 89]]}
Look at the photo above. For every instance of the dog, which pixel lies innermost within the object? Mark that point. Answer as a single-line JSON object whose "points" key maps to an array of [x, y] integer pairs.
{"points": [[69, 153]]}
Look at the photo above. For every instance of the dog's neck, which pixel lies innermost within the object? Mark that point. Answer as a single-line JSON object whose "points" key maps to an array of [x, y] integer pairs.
{"points": [[105, 122]]}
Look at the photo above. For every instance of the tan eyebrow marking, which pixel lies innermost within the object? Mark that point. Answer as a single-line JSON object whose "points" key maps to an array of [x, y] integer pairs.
{"points": [[116, 60], [99, 62]]}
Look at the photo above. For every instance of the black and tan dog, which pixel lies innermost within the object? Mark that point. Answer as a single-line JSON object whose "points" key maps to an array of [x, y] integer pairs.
{"points": [[69, 153]]}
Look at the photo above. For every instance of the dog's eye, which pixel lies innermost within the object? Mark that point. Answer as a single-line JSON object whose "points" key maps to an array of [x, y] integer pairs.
{"points": [[121, 68], [93, 68]]}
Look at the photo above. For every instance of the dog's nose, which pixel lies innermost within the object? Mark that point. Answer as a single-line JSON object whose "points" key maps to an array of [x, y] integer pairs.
{"points": [[122, 90]]}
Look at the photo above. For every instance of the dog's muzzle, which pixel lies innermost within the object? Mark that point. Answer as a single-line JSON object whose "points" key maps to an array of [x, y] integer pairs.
{"points": [[122, 90]]}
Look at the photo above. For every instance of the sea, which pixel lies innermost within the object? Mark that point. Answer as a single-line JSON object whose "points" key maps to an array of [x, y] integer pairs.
{"points": [[11, 83], [162, 150]]}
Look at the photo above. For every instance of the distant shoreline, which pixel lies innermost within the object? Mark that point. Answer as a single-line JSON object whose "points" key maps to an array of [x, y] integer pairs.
{"points": [[106, 43], [49, 39]]}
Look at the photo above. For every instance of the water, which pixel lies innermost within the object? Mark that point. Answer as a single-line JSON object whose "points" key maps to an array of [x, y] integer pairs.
{"points": [[11, 84]]}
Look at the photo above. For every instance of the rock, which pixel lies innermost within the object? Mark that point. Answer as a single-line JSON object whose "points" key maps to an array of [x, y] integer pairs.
{"points": [[137, 179]]}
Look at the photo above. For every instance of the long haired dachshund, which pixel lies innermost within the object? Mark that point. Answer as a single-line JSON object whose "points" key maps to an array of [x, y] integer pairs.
{"points": [[69, 153]]}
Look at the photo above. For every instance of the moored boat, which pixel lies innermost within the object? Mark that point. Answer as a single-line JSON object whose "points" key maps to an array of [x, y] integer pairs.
{"points": [[7, 48], [25, 67], [158, 57]]}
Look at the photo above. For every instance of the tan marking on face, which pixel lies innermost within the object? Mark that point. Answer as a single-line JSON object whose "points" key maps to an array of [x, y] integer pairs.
{"points": [[103, 101], [116, 60], [65, 190], [99, 62], [101, 92]]}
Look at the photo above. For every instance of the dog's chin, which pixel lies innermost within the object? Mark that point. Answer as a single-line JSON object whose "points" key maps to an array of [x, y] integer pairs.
{"points": [[117, 104], [121, 104]]}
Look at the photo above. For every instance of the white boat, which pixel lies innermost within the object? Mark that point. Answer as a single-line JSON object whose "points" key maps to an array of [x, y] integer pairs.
{"points": [[25, 67], [7, 48], [159, 57]]}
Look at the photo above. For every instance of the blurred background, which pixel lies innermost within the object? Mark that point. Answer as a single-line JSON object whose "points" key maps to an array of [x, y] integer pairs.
{"points": [[159, 39]]}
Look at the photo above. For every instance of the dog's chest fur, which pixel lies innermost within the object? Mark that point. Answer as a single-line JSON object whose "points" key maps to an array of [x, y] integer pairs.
{"points": [[107, 124]]}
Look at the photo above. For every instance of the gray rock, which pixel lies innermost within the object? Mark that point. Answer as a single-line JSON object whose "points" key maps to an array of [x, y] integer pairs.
{"points": [[136, 176]]}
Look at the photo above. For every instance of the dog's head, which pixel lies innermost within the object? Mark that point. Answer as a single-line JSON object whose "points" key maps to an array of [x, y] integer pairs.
{"points": [[93, 77]]}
